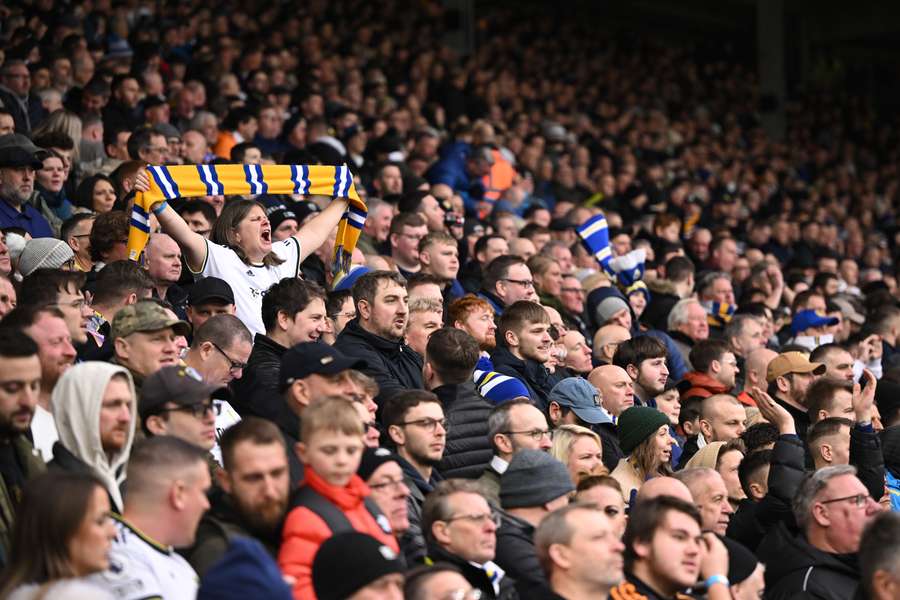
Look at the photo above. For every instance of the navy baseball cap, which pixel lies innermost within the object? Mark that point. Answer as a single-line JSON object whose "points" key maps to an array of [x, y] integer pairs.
{"points": [[314, 358]]}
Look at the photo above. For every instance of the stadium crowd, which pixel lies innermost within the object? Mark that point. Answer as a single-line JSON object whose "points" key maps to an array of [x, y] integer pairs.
{"points": [[599, 337]]}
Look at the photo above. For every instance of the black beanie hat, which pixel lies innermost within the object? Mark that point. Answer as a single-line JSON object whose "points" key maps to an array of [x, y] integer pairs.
{"points": [[347, 562], [373, 458]]}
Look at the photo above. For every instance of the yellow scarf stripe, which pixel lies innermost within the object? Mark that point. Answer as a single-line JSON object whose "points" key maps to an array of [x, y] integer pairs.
{"points": [[187, 181]]}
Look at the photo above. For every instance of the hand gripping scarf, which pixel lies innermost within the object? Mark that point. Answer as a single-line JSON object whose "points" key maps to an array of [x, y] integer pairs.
{"points": [[186, 181], [627, 271]]}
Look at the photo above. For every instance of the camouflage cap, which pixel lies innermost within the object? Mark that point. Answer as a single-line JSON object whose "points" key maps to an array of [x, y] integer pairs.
{"points": [[146, 316]]}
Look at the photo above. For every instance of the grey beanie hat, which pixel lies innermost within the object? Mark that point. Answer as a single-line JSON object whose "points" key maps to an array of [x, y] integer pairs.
{"points": [[44, 253], [533, 478], [609, 307]]}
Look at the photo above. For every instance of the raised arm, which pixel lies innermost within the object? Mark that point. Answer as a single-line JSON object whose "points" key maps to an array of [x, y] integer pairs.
{"points": [[316, 231], [192, 244]]}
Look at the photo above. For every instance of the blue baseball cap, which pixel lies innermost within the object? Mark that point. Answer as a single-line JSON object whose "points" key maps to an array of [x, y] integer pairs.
{"points": [[583, 398], [346, 282], [806, 319]]}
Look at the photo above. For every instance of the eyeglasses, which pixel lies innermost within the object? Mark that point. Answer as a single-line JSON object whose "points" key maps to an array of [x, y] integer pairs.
{"points": [[346, 315], [481, 519], [236, 365], [429, 425], [392, 484], [198, 410], [572, 290], [462, 595], [77, 304], [527, 283], [859, 500], [535, 434]]}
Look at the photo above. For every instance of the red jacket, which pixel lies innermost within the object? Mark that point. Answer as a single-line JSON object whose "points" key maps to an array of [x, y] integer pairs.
{"points": [[702, 386], [304, 531]]}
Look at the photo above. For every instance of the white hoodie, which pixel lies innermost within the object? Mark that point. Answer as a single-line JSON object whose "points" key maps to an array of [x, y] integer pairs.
{"points": [[76, 402]]}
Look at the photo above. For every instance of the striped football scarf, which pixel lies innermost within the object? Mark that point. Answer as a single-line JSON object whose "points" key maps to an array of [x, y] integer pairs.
{"points": [[594, 234], [187, 181], [718, 314]]}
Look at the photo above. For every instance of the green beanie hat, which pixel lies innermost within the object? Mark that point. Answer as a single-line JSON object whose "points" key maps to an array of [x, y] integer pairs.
{"points": [[636, 424]]}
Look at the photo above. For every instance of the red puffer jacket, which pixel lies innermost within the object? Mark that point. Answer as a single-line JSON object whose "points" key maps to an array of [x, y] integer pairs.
{"points": [[304, 531]]}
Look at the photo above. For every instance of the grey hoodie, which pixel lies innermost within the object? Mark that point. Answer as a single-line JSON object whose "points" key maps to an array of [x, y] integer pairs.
{"points": [[75, 403]]}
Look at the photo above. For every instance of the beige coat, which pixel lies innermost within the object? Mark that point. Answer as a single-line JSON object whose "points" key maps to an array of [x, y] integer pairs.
{"points": [[627, 477]]}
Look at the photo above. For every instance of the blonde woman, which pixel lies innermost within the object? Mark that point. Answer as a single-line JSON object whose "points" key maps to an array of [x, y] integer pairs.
{"points": [[580, 450], [644, 438]]}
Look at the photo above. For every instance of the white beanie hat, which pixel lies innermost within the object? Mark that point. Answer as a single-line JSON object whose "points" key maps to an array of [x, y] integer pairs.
{"points": [[44, 253]]}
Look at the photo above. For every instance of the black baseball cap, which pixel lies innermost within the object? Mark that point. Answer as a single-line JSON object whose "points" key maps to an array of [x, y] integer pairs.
{"points": [[180, 385], [314, 358], [209, 289]]}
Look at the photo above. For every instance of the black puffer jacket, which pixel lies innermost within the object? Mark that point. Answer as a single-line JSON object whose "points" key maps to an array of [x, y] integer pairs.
{"points": [[866, 455], [794, 568], [754, 519], [516, 554], [533, 374], [468, 449], [256, 392], [394, 365]]}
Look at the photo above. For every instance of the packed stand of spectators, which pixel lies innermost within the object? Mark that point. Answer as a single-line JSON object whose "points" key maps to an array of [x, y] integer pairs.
{"points": [[600, 336]]}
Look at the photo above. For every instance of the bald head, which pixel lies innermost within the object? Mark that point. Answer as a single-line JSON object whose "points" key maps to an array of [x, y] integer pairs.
{"points": [[615, 386], [664, 486], [522, 247], [607, 339], [755, 367], [722, 418]]}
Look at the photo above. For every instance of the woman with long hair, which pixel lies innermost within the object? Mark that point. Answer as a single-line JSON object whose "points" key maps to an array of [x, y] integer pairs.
{"points": [[63, 533], [580, 449], [242, 250], [644, 438], [97, 194]]}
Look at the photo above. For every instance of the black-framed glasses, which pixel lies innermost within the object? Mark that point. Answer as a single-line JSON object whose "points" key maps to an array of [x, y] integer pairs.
{"points": [[858, 500], [198, 410], [236, 365], [526, 283], [392, 484], [481, 519], [535, 434], [429, 425]]}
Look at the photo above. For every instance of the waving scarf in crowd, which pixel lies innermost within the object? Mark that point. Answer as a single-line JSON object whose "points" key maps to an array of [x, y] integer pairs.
{"points": [[186, 181]]}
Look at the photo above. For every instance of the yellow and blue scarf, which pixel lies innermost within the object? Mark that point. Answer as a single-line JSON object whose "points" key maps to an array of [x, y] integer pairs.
{"points": [[187, 181]]}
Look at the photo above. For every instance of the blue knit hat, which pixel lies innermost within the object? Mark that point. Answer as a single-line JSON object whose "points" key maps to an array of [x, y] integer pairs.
{"points": [[497, 388], [245, 571]]}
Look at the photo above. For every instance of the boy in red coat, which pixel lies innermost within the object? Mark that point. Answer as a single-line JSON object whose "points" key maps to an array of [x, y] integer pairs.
{"points": [[330, 447]]}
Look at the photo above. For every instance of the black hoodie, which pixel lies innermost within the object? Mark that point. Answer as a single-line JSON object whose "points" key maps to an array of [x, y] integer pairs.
{"points": [[793, 566]]}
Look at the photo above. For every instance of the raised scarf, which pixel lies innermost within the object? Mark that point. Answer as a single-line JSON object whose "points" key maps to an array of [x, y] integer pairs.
{"points": [[187, 181]]}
